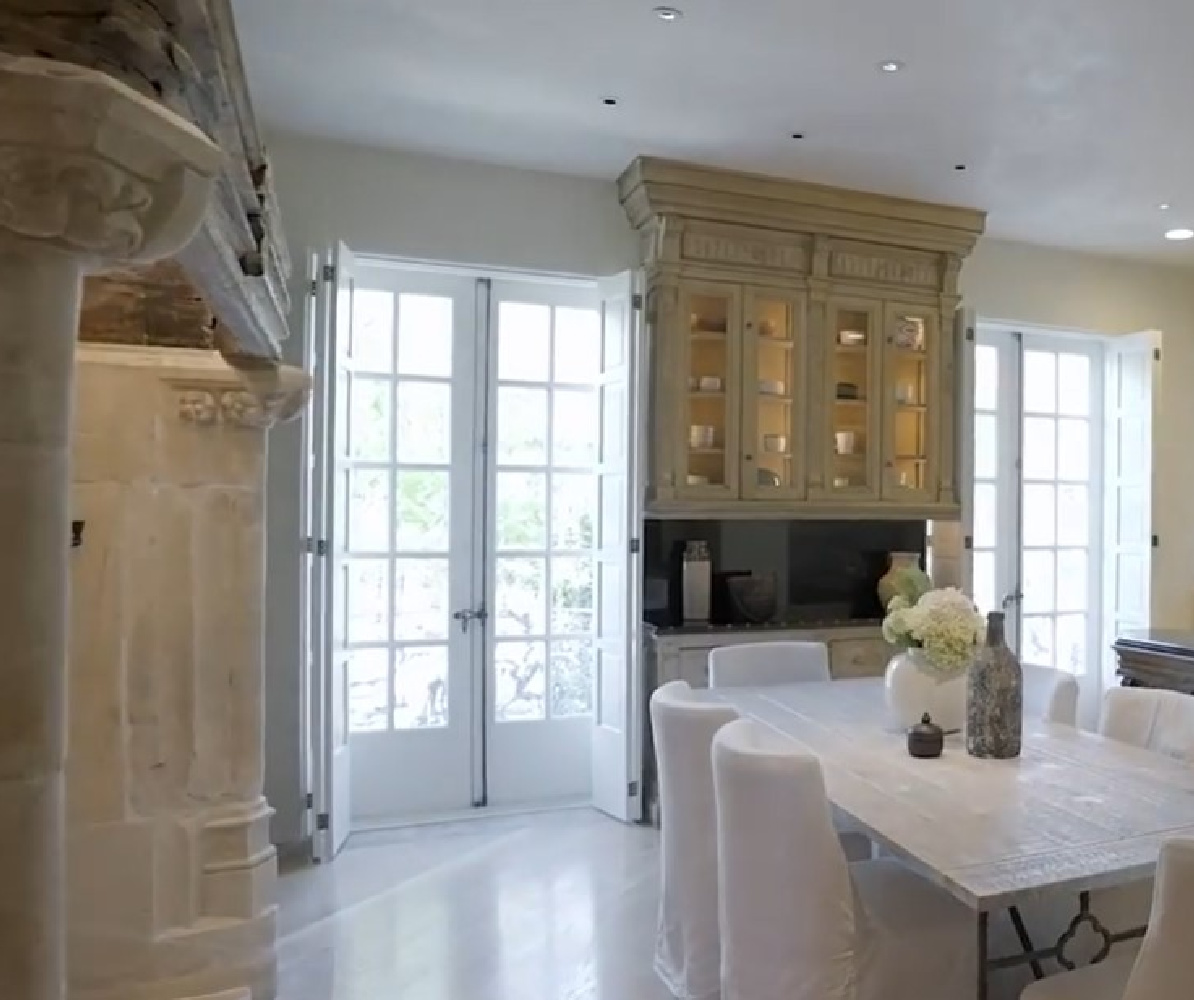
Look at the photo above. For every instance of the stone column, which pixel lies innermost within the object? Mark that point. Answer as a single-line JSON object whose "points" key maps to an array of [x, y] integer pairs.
{"points": [[90, 173], [171, 873]]}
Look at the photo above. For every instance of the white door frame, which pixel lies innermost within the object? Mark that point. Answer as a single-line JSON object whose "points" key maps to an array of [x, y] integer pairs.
{"points": [[1009, 485]]}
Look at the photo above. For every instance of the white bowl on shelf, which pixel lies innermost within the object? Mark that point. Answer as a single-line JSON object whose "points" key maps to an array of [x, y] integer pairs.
{"points": [[709, 383], [693, 480], [771, 387], [777, 444], [701, 436]]}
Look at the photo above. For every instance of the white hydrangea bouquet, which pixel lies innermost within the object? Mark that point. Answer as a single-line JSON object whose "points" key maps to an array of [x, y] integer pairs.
{"points": [[943, 623]]}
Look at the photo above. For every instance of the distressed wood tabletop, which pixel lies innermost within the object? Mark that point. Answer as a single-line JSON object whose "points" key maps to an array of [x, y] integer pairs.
{"points": [[1075, 811]]}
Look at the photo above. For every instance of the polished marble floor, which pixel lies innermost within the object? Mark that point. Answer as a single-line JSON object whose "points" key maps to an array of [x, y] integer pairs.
{"points": [[554, 906]]}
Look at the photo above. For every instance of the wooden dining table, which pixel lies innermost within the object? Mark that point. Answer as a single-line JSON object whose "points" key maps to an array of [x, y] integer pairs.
{"points": [[1073, 813]]}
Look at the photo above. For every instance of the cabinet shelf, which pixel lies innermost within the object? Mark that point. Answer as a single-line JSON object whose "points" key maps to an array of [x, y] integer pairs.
{"points": [[706, 451], [707, 336], [912, 407], [774, 397], [707, 393], [911, 458], [850, 349], [849, 402]]}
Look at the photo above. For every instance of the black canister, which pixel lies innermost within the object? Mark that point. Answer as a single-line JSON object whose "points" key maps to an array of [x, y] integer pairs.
{"points": [[926, 739]]}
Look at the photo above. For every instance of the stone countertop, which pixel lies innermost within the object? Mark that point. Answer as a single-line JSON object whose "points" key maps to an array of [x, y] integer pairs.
{"points": [[1172, 641], [785, 626]]}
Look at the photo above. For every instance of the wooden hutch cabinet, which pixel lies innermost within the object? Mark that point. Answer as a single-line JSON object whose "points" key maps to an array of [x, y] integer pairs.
{"points": [[803, 346]]}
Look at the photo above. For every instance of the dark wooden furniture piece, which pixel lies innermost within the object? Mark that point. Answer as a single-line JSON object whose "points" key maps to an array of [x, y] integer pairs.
{"points": [[1156, 658]]}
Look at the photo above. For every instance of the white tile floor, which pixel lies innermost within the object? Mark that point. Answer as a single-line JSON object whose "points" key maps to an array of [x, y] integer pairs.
{"points": [[557, 906]]}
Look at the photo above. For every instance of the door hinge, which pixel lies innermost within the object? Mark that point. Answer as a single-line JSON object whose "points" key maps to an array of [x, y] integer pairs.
{"points": [[632, 790], [1156, 354], [315, 546], [329, 273], [1156, 541], [322, 822], [970, 333], [968, 542], [635, 546], [636, 300], [314, 288], [310, 800]]}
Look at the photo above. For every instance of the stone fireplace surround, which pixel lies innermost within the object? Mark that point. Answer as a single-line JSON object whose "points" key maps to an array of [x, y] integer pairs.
{"points": [[127, 138]]}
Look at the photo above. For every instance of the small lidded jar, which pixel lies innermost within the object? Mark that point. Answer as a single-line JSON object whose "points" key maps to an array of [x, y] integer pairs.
{"points": [[926, 739]]}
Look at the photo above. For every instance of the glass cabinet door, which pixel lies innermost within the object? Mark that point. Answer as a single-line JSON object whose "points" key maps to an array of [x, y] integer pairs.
{"points": [[711, 315], [773, 424], [910, 378], [854, 390]]}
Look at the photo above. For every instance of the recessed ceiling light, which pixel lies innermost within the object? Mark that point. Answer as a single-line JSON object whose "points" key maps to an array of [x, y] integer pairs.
{"points": [[668, 13], [1180, 234], [890, 66], [1164, 206], [609, 102]]}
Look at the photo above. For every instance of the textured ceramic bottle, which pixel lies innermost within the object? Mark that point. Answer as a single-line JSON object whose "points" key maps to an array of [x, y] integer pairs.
{"points": [[994, 697]]}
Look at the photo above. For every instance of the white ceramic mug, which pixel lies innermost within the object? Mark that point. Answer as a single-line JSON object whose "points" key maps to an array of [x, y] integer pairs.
{"points": [[700, 436], [845, 442], [776, 443]]}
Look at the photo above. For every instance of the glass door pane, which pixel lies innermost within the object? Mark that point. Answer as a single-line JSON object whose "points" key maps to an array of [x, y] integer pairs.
{"points": [[710, 313], [911, 358], [772, 434], [854, 404], [540, 637], [1059, 588], [407, 497]]}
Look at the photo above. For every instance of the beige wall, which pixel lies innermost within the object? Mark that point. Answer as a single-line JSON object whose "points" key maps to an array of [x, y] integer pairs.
{"points": [[428, 208]]}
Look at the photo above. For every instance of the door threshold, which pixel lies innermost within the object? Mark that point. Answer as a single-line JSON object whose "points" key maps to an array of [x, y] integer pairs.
{"points": [[471, 814]]}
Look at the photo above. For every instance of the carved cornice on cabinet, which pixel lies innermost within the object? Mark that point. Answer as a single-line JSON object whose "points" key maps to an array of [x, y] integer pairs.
{"points": [[859, 262], [651, 188], [737, 246]]}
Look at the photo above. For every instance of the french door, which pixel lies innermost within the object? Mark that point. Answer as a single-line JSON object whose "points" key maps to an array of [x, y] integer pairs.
{"points": [[463, 486], [1052, 491]]}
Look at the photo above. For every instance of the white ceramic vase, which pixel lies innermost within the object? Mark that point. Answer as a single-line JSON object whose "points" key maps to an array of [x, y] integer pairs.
{"points": [[913, 691]]}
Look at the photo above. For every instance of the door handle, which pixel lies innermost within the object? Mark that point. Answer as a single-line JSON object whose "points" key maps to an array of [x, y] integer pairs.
{"points": [[1015, 597], [466, 615]]}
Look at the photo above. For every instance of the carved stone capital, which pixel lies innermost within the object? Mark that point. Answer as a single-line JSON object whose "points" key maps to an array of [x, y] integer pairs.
{"points": [[246, 399], [89, 166]]}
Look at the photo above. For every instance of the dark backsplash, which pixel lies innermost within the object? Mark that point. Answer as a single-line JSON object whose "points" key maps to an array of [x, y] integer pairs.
{"points": [[825, 569]]}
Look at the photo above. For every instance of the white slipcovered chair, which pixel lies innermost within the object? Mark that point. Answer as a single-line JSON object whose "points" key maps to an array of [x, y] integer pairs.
{"points": [[1164, 967], [1161, 721], [688, 949], [1050, 695], [752, 664], [1156, 720], [801, 923], [759, 664]]}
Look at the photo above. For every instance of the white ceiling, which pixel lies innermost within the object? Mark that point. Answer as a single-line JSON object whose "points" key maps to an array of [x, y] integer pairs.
{"points": [[1075, 117]]}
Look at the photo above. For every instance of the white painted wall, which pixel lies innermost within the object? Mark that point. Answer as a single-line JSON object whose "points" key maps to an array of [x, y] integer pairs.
{"points": [[427, 208]]}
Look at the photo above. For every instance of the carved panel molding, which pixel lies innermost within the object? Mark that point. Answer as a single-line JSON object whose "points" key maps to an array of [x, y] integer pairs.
{"points": [[717, 246], [237, 408], [886, 268]]}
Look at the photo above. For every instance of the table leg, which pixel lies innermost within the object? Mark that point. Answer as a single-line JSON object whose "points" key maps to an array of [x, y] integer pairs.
{"points": [[1038, 972], [981, 992]]}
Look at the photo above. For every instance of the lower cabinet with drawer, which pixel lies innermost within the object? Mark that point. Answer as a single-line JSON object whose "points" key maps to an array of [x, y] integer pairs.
{"points": [[682, 654]]}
